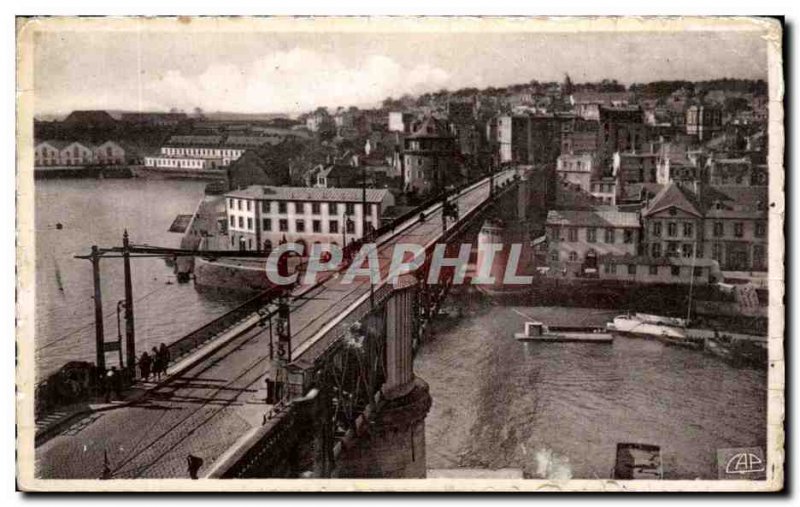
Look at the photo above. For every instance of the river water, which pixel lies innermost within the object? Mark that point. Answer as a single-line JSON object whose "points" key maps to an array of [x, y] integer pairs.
{"points": [[558, 410], [96, 212]]}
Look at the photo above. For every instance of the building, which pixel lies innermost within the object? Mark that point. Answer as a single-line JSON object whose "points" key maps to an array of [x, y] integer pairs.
{"points": [[703, 121], [587, 105], [400, 122], [115, 153], [644, 269], [530, 139], [725, 224], [734, 171], [77, 154], [576, 239], [604, 190], [48, 153], [580, 136], [202, 151], [622, 129], [260, 217], [635, 167], [430, 157], [576, 169], [319, 122]]}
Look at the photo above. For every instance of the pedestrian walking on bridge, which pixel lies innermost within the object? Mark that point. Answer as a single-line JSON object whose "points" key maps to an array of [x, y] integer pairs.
{"points": [[163, 353], [145, 362]]}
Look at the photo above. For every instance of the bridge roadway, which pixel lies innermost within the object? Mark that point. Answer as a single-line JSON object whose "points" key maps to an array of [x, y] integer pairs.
{"points": [[208, 407]]}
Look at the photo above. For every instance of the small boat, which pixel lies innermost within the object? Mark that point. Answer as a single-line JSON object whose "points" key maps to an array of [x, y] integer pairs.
{"points": [[645, 325], [638, 461], [538, 332], [719, 348], [687, 342]]}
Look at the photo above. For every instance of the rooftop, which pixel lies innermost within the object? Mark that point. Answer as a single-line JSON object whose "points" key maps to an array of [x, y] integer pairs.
{"points": [[374, 195], [195, 140], [599, 218]]}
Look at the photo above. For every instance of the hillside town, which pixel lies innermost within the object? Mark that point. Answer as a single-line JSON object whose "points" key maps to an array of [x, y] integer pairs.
{"points": [[661, 182]]}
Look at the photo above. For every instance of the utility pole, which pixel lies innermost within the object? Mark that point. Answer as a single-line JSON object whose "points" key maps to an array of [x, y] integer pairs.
{"points": [[363, 201], [130, 339], [98, 311]]}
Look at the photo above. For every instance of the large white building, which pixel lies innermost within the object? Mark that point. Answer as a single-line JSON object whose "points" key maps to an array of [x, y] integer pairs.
{"points": [[261, 217], [198, 152]]}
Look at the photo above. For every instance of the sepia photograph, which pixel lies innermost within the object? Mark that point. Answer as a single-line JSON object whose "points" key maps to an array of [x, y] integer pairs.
{"points": [[400, 254]]}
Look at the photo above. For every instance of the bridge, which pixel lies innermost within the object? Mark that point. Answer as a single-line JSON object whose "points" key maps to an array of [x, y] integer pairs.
{"points": [[347, 402]]}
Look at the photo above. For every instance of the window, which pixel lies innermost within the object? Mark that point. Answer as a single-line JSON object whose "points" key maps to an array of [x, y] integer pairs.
{"points": [[656, 250], [718, 229], [265, 207], [555, 233], [573, 257], [316, 226], [350, 208], [675, 270], [283, 225], [554, 257], [572, 234], [688, 230], [315, 208], [282, 208], [611, 269], [299, 207], [657, 229], [672, 248], [759, 257], [738, 229], [610, 235], [698, 272], [351, 227], [333, 208], [628, 236], [591, 235], [247, 203], [716, 251], [239, 204], [230, 203], [300, 225], [761, 229], [653, 270], [233, 221], [241, 223], [686, 248], [631, 269], [368, 209], [249, 223], [333, 226], [266, 224], [672, 229]]}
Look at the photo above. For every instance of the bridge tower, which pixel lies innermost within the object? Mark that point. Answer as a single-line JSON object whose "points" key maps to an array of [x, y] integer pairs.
{"points": [[393, 445]]}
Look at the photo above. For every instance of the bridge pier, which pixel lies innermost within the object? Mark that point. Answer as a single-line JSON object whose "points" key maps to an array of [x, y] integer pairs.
{"points": [[392, 443]]}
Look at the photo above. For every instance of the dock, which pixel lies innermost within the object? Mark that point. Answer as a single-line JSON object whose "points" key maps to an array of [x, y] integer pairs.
{"points": [[538, 332]]}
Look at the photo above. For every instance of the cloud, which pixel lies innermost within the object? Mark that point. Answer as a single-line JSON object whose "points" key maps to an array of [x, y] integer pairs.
{"points": [[292, 81]]}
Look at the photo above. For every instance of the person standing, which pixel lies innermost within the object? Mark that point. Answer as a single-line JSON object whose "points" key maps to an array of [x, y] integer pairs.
{"points": [[144, 365], [156, 364], [163, 351]]}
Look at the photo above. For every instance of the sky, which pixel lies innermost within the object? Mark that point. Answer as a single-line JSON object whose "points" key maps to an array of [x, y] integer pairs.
{"points": [[282, 72]]}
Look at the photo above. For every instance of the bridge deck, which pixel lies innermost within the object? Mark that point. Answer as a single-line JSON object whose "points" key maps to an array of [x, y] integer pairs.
{"points": [[210, 406]]}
